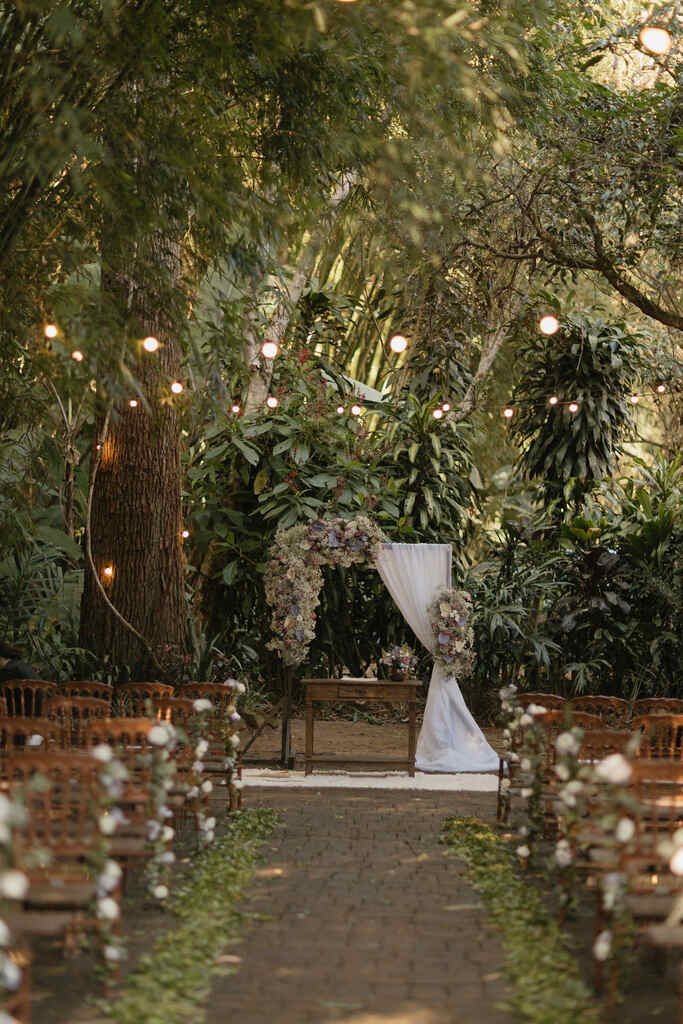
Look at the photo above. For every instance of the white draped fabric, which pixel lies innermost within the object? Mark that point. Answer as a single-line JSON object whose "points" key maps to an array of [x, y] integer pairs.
{"points": [[450, 740]]}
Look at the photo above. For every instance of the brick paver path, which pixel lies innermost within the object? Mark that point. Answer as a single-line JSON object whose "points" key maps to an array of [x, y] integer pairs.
{"points": [[369, 922]]}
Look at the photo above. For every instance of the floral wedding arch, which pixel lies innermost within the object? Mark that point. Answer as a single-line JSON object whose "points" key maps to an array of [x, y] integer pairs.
{"points": [[295, 576], [295, 579]]}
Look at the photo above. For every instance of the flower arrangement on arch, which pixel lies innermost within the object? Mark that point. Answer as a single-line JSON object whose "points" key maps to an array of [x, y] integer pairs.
{"points": [[294, 576], [449, 614], [400, 661]]}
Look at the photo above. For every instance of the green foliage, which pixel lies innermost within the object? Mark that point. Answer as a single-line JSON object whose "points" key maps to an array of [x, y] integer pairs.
{"points": [[595, 364], [594, 606], [547, 985], [171, 983]]}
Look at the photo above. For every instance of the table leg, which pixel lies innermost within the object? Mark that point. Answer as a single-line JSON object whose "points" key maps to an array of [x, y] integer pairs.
{"points": [[411, 738], [309, 737]]}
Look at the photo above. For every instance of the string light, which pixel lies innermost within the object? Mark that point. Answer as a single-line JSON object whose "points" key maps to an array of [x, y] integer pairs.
{"points": [[235, 408], [548, 324], [270, 349], [398, 343], [133, 403], [635, 399], [356, 410], [176, 387], [508, 413], [573, 407], [553, 400], [185, 534], [271, 402], [446, 406], [340, 410], [150, 344], [51, 330], [77, 355], [656, 40], [661, 388], [437, 414], [108, 571]]}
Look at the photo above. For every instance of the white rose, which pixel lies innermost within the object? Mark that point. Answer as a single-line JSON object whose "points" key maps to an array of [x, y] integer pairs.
{"points": [[612, 884], [525, 719], [210, 823], [153, 830], [567, 797], [523, 852], [110, 876], [614, 769], [202, 704], [563, 854], [567, 743], [234, 741], [201, 748], [207, 786], [108, 909], [167, 858], [676, 862], [562, 772], [158, 735], [602, 947], [625, 830], [112, 953], [536, 709], [160, 892], [504, 785], [198, 767], [11, 975], [103, 752], [192, 793], [525, 764], [5, 934], [107, 824], [209, 836], [168, 833], [5, 808], [241, 688], [525, 793], [523, 831], [13, 884]]}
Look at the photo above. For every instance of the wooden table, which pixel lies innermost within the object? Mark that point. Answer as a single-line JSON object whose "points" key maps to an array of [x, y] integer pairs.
{"points": [[383, 690]]}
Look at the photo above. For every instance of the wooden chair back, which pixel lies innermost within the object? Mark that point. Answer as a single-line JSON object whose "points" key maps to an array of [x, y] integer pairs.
{"points": [[220, 695], [17, 737], [657, 706], [137, 699], [72, 714], [25, 698], [600, 743], [613, 712], [545, 700], [663, 735], [177, 710], [87, 688], [62, 812]]}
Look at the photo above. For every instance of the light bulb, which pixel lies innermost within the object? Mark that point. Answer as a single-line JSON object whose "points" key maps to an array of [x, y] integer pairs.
{"points": [[271, 402], [356, 410], [446, 406], [51, 330], [437, 414], [548, 324], [133, 403], [661, 388], [235, 408], [573, 407], [634, 399], [186, 534], [150, 344], [398, 343], [340, 410], [176, 387], [508, 413], [553, 400], [108, 570], [77, 355], [656, 40], [270, 349]]}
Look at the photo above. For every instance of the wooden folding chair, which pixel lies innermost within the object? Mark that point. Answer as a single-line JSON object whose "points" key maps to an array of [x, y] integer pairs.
{"points": [[552, 701], [137, 699], [21, 735], [657, 706], [662, 735], [25, 698], [72, 715], [220, 729], [87, 688]]}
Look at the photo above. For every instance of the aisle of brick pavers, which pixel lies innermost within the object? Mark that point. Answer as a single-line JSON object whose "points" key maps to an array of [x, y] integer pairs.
{"points": [[368, 920]]}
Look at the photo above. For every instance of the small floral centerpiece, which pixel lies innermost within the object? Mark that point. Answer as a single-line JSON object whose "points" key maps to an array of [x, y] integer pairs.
{"points": [[450, 614], [400, 661]]}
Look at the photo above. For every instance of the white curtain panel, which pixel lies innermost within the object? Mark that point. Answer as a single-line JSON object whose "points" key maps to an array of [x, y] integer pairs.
{"points": [[450, 740]]}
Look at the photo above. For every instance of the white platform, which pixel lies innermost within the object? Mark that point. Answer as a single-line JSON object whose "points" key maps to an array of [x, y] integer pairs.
{"points": [[474, 782]]}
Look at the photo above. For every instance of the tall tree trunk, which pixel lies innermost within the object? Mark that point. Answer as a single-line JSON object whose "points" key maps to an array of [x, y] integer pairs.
{"points": [[135, 525]]}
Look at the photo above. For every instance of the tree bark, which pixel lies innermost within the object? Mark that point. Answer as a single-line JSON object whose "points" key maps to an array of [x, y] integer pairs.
{"points": [[135, 525]]}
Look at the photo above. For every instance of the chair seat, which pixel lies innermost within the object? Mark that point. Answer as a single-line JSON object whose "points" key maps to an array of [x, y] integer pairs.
{"points": [[128, 846], [60, 893], [667, 936], [654, 905], [41, 923]]}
